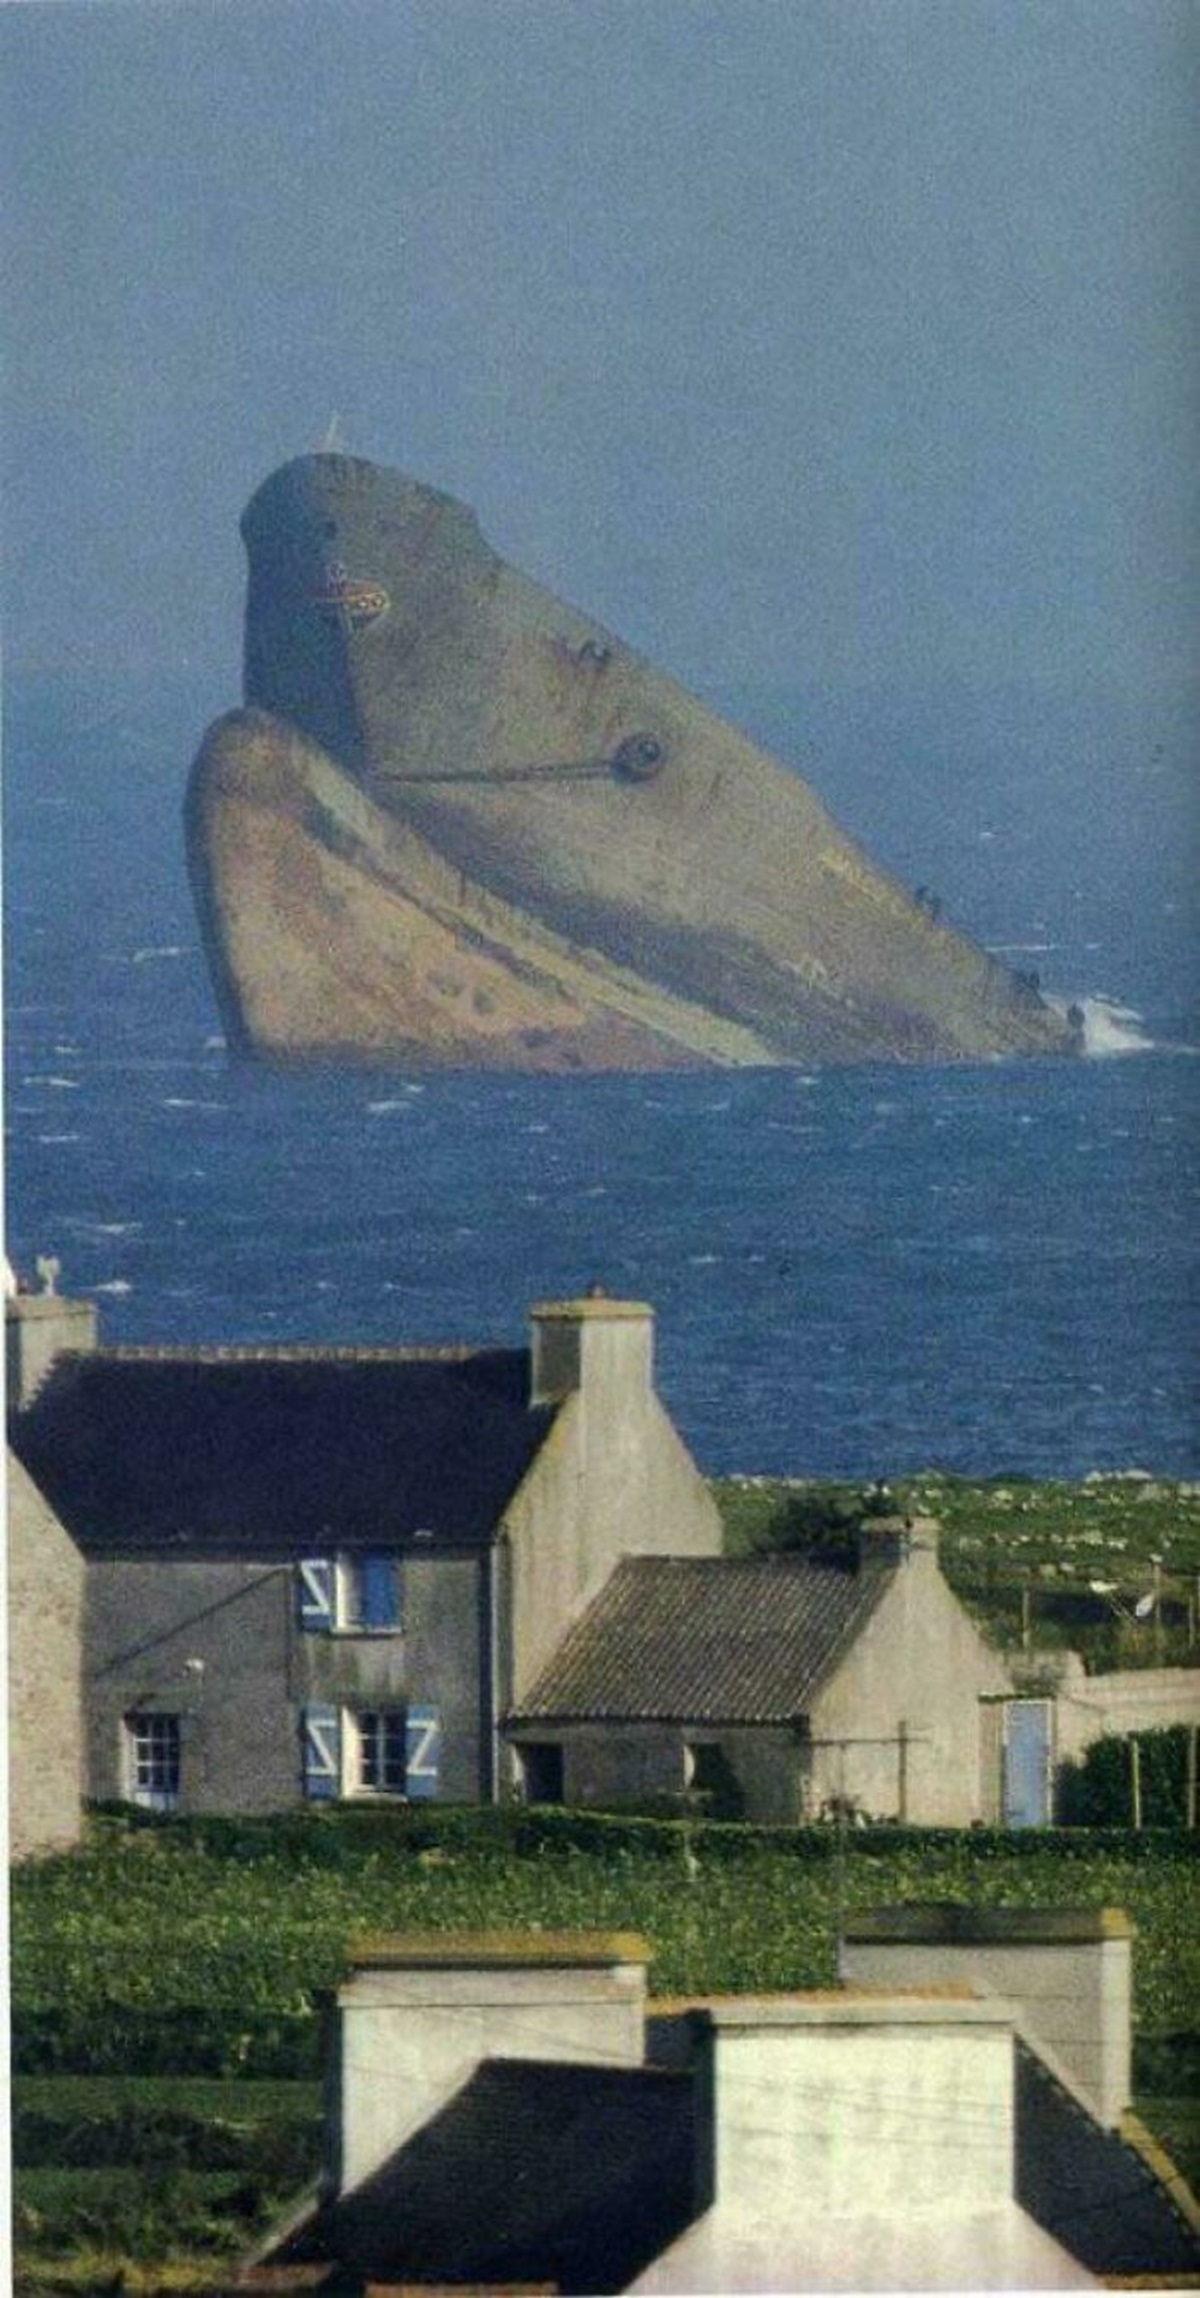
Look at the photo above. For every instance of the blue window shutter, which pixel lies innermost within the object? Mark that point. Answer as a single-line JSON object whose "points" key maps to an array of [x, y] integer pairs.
{"points": [[314, 1595], [322, 1753], [380, 1583], [422, 1753]]}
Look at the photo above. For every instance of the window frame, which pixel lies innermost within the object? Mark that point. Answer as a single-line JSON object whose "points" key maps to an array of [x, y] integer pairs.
{"points": [[153, 1758]]}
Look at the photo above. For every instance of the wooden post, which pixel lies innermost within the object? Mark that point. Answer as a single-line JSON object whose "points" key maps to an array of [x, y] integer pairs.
{"points": [[1135, 1780], [1026, 1619], [1190, 1795], [902, 1767]]}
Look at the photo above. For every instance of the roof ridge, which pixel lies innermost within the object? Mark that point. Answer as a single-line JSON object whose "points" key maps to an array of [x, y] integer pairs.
{"points": [[294, 1352]]}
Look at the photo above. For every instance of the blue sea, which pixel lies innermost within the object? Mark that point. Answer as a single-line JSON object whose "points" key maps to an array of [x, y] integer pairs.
{"points": [[857, 1272]]}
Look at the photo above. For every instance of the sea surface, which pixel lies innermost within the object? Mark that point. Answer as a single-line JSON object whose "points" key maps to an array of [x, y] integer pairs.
{"points": [[857, 1272]]}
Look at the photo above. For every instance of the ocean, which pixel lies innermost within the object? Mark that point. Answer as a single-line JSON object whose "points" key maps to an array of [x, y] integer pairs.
{"points": [[857, 1272]]}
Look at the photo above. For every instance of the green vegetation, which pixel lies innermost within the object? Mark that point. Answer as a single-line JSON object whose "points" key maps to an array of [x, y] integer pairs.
{"points": [[1064, 1563], [213, 1938]]}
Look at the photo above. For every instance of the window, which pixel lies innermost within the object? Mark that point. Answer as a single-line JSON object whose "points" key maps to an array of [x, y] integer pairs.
{"points": [[382, 1760], [371, 1751], [349, 1594], [153, 1753]]}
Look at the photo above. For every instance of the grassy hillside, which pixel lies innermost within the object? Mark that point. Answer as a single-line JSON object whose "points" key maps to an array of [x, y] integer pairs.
{"points": [[1065, 1563]]}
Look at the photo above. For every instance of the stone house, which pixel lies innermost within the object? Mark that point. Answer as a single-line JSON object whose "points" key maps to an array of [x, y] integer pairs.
{"points": [[45, 1576], [315, 1573], [781, 1687], [287, 1574]]}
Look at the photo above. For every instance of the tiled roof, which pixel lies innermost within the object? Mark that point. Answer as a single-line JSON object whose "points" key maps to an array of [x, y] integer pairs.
{"points": [[708, 1639], [254, 1450]]}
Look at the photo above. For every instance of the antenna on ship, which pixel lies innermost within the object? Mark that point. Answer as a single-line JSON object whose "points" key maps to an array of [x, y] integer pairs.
{"points": [[333, 442]]}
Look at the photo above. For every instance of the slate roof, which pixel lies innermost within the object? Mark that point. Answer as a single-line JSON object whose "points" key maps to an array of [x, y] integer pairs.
{"points": [[534, 2172], [708, 1639], [257, 1451]]}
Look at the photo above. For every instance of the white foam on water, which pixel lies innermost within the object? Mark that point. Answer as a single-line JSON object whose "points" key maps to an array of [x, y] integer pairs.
{"points": [[1108, 1027], [114, 1285]]}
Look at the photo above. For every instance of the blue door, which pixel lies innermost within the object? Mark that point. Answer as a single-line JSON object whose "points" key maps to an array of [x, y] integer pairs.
{"points": [[1027, 1763]]}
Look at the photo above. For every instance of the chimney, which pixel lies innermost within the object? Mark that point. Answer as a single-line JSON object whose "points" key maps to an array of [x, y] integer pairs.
{"points": [[38, 1328], [898, 1539], [1066, 1968], [421, 2011], [600, 1346]]}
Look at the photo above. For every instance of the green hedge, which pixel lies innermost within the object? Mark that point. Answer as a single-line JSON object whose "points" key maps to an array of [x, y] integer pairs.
{"points": [[72, 2130], [199, 2039], [1097, 1792], [140, 2216], [343, 1836]]}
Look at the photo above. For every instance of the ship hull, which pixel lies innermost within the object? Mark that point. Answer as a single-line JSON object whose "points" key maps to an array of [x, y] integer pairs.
{"points": [[459, 824]]}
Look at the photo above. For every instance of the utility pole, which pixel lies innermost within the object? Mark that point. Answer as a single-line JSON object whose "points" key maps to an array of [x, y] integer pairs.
{"points": [[1135, 1780]]}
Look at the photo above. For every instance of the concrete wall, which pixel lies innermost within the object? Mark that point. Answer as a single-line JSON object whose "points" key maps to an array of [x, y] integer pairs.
{"points": [[857, 2145], [911, 1683], [613, 1479], [151, 1620], [418, 2016], [45, 1703], [1135, 1700], [1068, 1971], [37, 1328]]}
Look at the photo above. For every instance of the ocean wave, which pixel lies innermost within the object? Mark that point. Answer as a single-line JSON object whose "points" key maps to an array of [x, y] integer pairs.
{"points": [[1108, 1027]]}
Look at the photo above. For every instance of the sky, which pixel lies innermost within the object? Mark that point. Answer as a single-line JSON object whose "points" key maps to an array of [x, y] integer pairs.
{"points": [[838, 343]]}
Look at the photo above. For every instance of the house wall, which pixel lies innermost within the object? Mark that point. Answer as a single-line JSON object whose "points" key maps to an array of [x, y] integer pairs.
{"points": [[218, 1643], [760, 1769], [46, 1576], [921, 1664], [613, 1479]]}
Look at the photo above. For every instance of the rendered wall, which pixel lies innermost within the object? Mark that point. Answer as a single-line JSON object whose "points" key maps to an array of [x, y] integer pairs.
{"points": [[613, 1479], [861, 2145], [897, 1729], [151, 1620], [410, 2032], [1070, 1976], [45, 1702]]}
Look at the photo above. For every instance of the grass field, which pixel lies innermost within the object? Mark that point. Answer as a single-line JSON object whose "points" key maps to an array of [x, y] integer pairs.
{"points": [[164, 2179], [1068, 1561]]}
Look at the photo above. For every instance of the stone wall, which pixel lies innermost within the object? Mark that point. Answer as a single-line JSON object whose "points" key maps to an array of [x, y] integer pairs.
{"points": [[45, 1705], [218, 1643]]}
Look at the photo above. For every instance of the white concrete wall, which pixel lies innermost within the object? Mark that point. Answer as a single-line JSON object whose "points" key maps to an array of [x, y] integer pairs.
{"points": [[861, 2144], [411, 2032], [1074, 1996], [1133, 1700], [46, 1582], [921, 1663], [613, 1479]]}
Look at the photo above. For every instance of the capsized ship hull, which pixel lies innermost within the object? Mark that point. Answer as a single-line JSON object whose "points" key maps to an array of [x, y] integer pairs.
{"points": [[459, 824]]}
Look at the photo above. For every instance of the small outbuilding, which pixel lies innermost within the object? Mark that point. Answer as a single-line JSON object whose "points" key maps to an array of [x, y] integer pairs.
{"points": [[845, 1681]]}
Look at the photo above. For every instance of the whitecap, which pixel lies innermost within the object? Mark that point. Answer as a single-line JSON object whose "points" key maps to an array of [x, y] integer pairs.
{"points": [[61, 1084], [383, 1108], [118, 1285], [1108, 1027], [164, 950], [48, 1140]]}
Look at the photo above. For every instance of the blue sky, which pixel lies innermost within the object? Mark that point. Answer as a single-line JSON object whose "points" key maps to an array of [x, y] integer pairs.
{"points": [[822, 343]]}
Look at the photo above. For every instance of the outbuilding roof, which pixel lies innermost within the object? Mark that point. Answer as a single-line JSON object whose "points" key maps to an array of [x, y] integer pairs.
{"points": [[256, 1450], [709, 1639]]}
